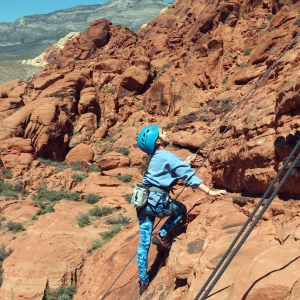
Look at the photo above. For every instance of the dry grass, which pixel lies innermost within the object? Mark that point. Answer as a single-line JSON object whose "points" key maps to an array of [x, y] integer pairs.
{"points": [[12, 69]]}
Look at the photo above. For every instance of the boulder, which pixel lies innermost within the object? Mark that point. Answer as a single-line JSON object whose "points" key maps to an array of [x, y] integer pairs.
{"points": [[80, 152]]}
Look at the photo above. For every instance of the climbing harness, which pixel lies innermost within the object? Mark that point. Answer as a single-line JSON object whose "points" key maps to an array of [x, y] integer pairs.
{"points": [[241, 104]]}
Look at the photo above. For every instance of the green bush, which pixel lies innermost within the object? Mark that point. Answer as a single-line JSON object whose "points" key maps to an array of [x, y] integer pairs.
{"points": [[2, 217], [6, 190], [95, 168], [114, 230], [120, 219], [83, 219], [51, 163], [123, 150], [297, 21], [14, 226], [44, 209], [98, 211], [109, 138], [44, 194], [95, 245], [3, 255], [247, 51], [124, 178], [226, 105], [48, 209], [7, 174], [111, 90], [245, 65], [91, 198], [128, 197], [263, 26], [225, 79], [34, 217], [76, 166], [61, 293], [79, 177]]}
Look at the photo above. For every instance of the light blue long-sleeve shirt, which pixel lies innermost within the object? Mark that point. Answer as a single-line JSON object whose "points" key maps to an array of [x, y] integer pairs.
{"points": [[163, 170]]}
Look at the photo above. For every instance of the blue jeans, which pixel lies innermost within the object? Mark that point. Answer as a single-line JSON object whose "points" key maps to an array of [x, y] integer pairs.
{"points": [[176, 210]]}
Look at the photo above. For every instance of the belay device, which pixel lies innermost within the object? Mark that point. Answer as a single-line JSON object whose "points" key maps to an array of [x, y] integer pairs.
{"points": [[140, 196]]}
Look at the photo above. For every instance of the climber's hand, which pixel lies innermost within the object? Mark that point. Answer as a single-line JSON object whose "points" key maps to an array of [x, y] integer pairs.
{"points": [[190, 159], [217, 192]]}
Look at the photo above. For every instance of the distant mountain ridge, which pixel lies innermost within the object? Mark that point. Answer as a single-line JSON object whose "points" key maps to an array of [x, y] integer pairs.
{"points": [[28, 36]]}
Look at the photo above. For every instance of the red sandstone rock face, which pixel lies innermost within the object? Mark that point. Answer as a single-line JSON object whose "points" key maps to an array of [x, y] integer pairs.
{"points": [[186, 70]]}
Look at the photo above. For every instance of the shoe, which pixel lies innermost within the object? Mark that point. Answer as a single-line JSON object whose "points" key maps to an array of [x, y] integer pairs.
{"points": [[143, 287], [161, 241]]}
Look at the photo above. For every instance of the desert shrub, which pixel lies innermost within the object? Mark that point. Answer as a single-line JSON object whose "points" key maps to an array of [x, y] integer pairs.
{"points": [[111, 90], [95, 168], [48, 209], [14, 226], [225, 80], [2, 219], [95, 245], [128, 197], [44, 209], [7, 174], [79, 177], [263, 26], [61, 293], [76, 166], [83, 219], [114, 230], [98, 211], [91, 198], [109, 138], [6, 190], [9, 190], [226, 105], [245, 65], [34, 217], [3, 255], [123, 150], [124, 178], [51, 163], [297, 21], [43, 194], [120, 219], [247, 51]]}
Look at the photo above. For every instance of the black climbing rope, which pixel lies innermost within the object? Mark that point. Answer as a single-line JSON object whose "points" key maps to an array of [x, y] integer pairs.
{"points": [[260, 202], [266, 205]]}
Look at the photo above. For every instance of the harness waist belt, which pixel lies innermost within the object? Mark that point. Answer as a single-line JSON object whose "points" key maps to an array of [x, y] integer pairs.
{"points": [[156, 189]]}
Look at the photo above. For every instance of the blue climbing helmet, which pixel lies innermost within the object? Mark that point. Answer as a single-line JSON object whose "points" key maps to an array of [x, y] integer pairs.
{"points": [[147, 138]]}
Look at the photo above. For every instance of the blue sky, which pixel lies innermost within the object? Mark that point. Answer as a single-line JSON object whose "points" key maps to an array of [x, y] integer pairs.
{"points": [[10, 10]]}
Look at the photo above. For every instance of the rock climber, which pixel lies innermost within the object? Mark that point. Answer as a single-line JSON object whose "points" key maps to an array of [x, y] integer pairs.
{"points": [[161, 169]]}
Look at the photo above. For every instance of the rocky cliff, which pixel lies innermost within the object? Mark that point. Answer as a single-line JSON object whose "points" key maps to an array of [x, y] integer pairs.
{"points": [[30, 35], [69, 158]]}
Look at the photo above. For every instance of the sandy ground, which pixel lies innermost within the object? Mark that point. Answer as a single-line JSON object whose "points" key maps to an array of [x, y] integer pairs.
{"points": [[12, 69]]}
